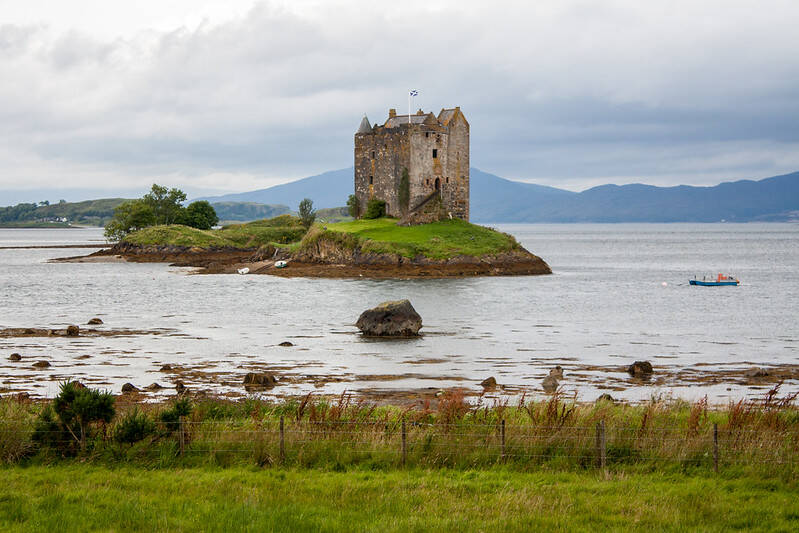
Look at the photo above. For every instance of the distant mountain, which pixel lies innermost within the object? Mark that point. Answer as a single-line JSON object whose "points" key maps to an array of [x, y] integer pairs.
{"points": [[246, 211], [495, 199], [330, 189]]}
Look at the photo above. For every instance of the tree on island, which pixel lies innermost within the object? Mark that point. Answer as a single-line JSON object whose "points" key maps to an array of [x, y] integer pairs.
{"points": [[165, 203], [158, 207], [306, 212], [200, 215], [353, 206]]}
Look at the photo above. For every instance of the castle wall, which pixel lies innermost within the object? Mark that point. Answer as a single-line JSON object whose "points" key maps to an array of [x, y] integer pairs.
{"points": [[380, 158], [457, 201], [425, 168]]}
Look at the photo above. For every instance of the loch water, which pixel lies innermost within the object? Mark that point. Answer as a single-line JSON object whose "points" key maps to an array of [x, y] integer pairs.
{"points": [[619, 293]]}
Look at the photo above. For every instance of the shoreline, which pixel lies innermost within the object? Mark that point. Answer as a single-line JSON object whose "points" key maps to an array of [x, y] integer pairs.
{"points": [[224, 378], [54, 246], [230, 260]]}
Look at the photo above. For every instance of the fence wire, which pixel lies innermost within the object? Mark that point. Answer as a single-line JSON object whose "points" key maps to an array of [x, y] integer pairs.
{"points": [[289, 441]]}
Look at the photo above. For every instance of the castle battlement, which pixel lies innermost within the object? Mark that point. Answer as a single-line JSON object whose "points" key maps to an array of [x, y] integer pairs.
{"points": [[411, 160]]}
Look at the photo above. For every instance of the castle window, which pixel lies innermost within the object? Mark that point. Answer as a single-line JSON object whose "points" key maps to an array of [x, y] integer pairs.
{"points": [[427, 134], [371, 180], [373, 155], [435, 153], [447, 179]]}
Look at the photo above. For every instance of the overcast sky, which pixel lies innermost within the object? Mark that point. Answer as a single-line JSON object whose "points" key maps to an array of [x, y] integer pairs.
{"points": [[236, 95]]}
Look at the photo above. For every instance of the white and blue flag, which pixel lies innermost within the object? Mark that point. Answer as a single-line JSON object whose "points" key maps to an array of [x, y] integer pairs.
{"points": [[414, 93]]}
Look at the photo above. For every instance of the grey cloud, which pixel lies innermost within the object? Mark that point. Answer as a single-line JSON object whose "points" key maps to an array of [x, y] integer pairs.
{"points": [[558, 93]]}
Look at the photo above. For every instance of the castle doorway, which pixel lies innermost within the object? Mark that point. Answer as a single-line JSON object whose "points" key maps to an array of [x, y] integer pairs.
{"points": [[438, 184]]}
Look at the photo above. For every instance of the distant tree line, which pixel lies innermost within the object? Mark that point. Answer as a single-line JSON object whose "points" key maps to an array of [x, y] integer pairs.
{"points": [[157, 207], [91, 212]]}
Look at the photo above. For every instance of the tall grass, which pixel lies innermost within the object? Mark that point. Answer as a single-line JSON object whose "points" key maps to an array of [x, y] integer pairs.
{"points": [[16, 430], [558, 433]]}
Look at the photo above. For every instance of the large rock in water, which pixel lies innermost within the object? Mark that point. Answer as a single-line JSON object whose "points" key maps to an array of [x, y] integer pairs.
{"points": [[390, 319]]}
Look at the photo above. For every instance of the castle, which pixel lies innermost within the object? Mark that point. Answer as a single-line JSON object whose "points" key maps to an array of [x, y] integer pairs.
{"points": [[418, 164]]}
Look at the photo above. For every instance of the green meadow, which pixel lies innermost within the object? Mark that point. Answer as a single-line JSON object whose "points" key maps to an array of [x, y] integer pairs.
{"points": [[82, 497]]}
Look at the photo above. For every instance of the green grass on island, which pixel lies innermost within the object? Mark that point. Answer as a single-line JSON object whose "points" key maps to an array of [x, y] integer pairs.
{"points": [[283, 229], [438, 240], [86, 498]]}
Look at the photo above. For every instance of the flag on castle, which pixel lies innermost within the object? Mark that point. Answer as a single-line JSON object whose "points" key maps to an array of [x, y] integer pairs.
{"points": [[411, 94]]}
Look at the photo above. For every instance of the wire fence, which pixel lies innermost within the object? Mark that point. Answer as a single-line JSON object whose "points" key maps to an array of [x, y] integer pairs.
{"points": [[288, 441]]}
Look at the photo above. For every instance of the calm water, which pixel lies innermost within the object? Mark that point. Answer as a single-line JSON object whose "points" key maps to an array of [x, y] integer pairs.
{"points": [[619, 293]]}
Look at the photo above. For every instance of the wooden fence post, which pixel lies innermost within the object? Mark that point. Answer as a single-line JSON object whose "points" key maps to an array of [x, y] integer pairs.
{"points": [[404, 447], [503, 441], [601, 456], [716, 447], [181, 422], [282, 443]]}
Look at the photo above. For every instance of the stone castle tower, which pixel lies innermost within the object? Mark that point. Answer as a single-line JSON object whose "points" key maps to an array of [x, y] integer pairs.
{"points": [[417, 164]]}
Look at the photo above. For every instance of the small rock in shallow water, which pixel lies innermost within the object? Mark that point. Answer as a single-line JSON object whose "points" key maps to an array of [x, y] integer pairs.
{"points": [[128, 387], [550, 384], [489, 383], [73, 331], [154, 386], [640, 368], [260, 379], [286, 343], [605, 398], [41, 364], [95, 321], [165, 368], [556, 372], [14, 357], [756, 373], [180, 387]]}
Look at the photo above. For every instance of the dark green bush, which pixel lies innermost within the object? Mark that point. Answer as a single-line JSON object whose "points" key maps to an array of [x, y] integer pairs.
{"points": [[375, 209], [73, 414], [170, 418], [133, 427], [50, 433]]}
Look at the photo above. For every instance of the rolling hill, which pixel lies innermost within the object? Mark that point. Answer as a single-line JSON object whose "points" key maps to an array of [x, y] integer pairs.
{"points": [[496, 199]]}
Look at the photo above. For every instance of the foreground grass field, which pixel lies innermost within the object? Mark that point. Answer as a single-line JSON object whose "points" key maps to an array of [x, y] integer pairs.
{"points": [[81, 498], [337, 465]]}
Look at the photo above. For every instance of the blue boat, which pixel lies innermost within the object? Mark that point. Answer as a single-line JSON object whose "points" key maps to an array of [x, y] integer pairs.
{"points": [[721, 279]]}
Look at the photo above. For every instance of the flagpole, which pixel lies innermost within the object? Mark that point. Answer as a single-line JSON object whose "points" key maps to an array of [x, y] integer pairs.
{"points": [[409, 108]]}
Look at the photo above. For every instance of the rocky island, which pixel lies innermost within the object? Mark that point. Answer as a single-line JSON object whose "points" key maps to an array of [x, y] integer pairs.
{"points": [[378, 248], [410, 208]]}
